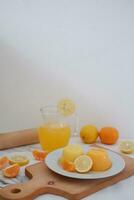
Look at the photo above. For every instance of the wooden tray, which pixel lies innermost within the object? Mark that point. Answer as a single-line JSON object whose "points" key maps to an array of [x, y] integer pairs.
{"points": [[43, 180]]}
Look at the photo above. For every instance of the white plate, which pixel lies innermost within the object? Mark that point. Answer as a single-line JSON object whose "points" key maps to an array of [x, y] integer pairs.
{"points": [[118, 165]]}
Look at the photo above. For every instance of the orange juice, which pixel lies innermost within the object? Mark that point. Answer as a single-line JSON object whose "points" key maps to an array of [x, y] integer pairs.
{"points": [[54, 135]]}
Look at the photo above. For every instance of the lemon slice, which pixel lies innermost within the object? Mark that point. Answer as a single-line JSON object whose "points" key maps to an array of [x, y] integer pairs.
{"points": [[66, 107], [127, 146], [21, 160], [83, 163]]}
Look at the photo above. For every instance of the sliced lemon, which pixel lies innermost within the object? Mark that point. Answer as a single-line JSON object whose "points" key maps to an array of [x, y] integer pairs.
{"points": [[66, 107], [127, 146], [83, 163], [21, 160]]}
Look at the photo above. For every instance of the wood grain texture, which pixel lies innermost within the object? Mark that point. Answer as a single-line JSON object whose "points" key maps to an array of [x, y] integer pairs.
{"points": [[42, 181], [18, 138]]}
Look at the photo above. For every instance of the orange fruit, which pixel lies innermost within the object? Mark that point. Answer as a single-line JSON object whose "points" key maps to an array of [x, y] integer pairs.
{"points": [[39, 155], [68, 166], [109, 135], [11, 171], [3, 162]]}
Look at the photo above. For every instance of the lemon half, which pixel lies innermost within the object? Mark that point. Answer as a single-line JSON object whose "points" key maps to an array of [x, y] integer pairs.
{"points": [[21, 160], [66, 107], [127, 146], [83, 163]]}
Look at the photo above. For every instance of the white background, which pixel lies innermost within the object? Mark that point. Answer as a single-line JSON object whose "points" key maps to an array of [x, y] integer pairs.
{"points": [[81, 49]]}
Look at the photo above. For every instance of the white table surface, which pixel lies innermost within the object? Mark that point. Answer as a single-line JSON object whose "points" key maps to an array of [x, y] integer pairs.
{"points": [[122, 190]]}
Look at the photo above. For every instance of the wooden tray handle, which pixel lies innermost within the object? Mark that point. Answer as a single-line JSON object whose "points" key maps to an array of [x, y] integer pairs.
{"points": [[22, 191], [36, 186], [18, 138]]}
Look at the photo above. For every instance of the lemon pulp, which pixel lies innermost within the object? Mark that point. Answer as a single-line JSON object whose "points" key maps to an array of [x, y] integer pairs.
{"points": [[127, 146], [83, 163], [66, 107], [19, 159]]}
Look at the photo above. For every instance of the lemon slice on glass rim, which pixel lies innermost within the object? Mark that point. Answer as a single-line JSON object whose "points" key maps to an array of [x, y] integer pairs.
{"points": [[83, 164], [66, 107], [127, 146]]}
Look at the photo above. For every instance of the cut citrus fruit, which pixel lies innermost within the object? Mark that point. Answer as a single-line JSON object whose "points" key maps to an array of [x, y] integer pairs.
{"points": [[83, 164], [68, 166], [19, 159], [39, 155], [66, 107], [3, 162], [11, 171], [127, 146]]}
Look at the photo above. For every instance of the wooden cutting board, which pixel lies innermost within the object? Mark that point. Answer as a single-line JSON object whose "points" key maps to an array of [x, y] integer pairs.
{"points": [[42, 181]]}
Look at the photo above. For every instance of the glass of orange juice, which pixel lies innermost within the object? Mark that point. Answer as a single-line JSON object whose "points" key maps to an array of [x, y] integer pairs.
{"points": [[54, 133]]}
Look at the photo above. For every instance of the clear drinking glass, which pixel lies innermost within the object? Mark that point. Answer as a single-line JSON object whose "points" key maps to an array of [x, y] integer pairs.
{"points": [[55, 132]]}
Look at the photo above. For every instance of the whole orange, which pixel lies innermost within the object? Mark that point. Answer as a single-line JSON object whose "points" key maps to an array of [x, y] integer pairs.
{"points": [[109, 135]]}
